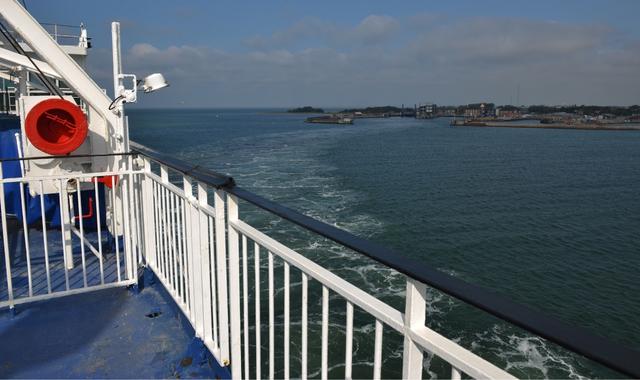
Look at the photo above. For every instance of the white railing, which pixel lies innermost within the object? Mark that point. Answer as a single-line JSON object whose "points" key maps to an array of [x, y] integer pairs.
{"points": [[260, 307], [203, 253], [42, 261], [8, 102], [9, 96], [66, 34]]}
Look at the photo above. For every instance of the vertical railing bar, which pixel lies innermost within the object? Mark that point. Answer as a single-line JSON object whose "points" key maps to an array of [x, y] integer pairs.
{"points": [[129, 238], [44, 238], [138, 217], [188, 193], [325, 333], [305, 297], [286, 320], [166, 233], [205, 265], [455, 373], [160, 227], [221, 258], [156, 222], [185, 247], [99, 226], [185, 254], [63, 206], [172, 234], [132, 221], [80, 218], [271, 320], [140, 242], [177, 226], [187, 187], [114, 222], [214, 297], [349, 343], [377, 353], [414, 317], [5, 241], [165, 242], [234, 289], [25, 232], [180, 259], [124, 209], [256, 253], [148, 210], [157, 205], [245, 306], [169, 237], [196, 254]]}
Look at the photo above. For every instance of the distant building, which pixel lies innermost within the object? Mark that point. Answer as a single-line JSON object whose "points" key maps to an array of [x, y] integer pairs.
{"points": [[476, 110], [508, 112], [426, 111], [447, 111]]}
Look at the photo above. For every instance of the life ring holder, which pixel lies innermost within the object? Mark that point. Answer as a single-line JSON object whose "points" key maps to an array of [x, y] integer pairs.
{"points": [[56, 126]]}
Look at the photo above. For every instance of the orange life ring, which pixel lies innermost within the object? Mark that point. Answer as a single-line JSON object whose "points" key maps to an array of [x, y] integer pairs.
{"points": [[56, 126]]}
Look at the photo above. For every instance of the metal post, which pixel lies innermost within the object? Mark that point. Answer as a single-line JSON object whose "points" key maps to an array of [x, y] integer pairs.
{"points": [[187, 187], [117, 60], [196, 255], [66, 222], [205, 264], [414, 316], [221, 269], [234, 289], [5, 241], [147, 210], [129, 249]]}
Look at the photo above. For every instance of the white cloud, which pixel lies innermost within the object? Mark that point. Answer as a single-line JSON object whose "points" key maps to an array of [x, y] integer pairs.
{"points": [[320, 63], [373, 29]]}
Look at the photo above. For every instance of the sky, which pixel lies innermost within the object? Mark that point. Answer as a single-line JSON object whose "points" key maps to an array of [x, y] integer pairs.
{"points": [[359, 53]]}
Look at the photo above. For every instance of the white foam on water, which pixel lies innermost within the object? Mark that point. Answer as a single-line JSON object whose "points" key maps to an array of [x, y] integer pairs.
{"points": [[294, 174], [526, 354]]}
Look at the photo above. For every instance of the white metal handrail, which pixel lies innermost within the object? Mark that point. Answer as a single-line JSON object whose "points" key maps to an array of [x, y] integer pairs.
{"points": [[194, 240], [42, 262], [201, 254]]}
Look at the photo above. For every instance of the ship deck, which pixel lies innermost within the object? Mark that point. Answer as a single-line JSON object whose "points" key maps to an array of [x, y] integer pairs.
{"points": [[110, 333]]}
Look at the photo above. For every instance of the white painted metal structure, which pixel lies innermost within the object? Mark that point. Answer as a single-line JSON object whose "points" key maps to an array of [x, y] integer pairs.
{"points": [[106, 129], [203, 254], [52, 263], [193, 237], [199, 249]]}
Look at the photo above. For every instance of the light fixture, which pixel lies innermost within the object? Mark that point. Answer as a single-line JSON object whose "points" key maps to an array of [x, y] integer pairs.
{"points": [[154, 82], [150, 83]]}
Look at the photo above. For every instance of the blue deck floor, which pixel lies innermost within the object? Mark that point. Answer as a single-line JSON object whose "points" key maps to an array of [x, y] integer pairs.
{"points": [[111, 333]]}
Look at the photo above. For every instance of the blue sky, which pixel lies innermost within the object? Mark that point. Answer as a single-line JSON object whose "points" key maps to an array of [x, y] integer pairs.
{"points": [[339, 53]]}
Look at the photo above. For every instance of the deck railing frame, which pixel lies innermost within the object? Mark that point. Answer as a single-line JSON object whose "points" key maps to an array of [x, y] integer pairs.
{"points": [[418, 338], [119, 205], [197, 248]]}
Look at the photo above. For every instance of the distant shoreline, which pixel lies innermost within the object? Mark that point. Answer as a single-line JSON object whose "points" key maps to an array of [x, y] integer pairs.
{"points": [[582, 127]]}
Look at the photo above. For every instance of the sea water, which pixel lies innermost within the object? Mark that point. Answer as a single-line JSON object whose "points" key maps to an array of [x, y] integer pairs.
{"points": [[549, 218]]}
